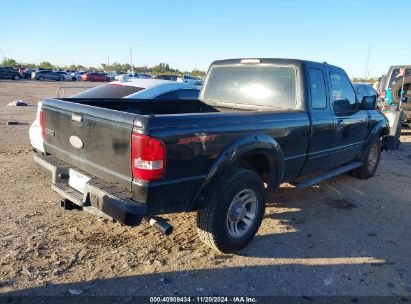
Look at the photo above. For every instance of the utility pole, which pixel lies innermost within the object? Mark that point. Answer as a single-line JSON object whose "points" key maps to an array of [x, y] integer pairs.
{"points": [[366, 72], [108, 61], [131, 62]]}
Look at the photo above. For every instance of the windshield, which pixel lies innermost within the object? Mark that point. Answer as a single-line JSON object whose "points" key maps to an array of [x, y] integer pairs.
{"points": [[108, 91], [268, 86]]}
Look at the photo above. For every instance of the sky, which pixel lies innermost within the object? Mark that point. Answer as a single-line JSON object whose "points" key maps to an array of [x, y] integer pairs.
{"points": [[192, 34]]}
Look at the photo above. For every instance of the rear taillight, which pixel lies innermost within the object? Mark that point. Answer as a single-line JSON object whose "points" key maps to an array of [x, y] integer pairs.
{"points": [[382, 94], [41, 119], [148, 157]]}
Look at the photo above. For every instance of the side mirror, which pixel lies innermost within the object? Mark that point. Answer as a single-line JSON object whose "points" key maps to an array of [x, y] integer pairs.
{"points": [[369, 103]]}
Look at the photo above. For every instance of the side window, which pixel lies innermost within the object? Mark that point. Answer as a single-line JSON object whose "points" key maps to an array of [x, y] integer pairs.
{"points": [[187, 94], [317, 89], [169, 95], [360, 91], [371, 91], [342, 93]]}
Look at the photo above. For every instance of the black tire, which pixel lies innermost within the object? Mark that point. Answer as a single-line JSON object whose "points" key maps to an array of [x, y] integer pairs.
{"points": [[73, 78], [367, 170], [61, 79], [41, 78], [16, 77], [92, 79], [212, 222]]}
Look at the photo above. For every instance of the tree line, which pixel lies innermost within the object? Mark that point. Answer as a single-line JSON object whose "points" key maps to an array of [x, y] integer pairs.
{"points": [[162, 68]]}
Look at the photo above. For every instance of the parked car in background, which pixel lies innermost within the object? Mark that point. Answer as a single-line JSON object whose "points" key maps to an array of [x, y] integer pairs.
{"points": [[191, 79], [392, 85], [166, 77], [136, 75], [48, 75], [67, 76], [118, 76], [134, 88], [95, 76], [27, 73], [390, 79], [364, 89], [77, 75], [10, 73]]}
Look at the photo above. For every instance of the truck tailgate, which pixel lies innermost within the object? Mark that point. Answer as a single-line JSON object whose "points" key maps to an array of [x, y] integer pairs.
{"points": [[94, 139]]}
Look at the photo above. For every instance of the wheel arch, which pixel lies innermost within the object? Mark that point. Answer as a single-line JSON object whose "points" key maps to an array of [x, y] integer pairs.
{"points": [[381, 129], [259, 153]]}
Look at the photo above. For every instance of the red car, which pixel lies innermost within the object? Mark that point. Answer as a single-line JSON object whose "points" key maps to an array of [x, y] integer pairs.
{"points": [[95, 76]]}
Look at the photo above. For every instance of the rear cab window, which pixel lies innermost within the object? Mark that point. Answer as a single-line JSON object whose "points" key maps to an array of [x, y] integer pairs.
{"points": [[317, 89], [394, 76], [108, 91], [245, 86]]}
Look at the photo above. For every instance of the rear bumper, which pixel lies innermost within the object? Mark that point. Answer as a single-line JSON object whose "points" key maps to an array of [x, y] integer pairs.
{"points": [[100, 197]]}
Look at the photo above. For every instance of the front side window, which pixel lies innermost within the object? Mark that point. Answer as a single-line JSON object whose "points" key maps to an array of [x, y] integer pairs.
{"points": [[317, 89], [257, 85], [342, 93]]}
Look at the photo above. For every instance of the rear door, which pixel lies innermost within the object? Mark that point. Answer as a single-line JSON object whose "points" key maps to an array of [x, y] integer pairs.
{"points": [[350, 123], [322, 122]]}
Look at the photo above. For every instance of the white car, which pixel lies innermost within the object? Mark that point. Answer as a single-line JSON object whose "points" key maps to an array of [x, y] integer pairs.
{"points": [[131, 88], [77, 75], [128, 76], [67, 76], [190, 79]]}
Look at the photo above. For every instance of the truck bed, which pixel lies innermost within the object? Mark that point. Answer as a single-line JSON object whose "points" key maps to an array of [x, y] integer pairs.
{"points": [[147, 106]]}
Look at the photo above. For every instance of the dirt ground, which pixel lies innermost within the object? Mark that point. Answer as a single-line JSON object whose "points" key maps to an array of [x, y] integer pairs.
{"points": [[343, 237]]}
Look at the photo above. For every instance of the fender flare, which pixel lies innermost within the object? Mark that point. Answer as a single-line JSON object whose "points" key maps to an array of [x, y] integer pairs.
{"points": [[381, 128], [245, 146]]}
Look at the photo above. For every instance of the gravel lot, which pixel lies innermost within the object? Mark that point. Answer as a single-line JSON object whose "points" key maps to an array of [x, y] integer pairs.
{"points": [[344, 237]]}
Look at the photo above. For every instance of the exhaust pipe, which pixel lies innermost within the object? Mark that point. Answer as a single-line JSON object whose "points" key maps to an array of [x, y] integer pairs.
{"points": [[161, 225]]}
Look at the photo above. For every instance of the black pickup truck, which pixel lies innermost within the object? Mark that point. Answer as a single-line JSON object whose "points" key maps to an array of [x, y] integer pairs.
{"points": [[257, 123]]}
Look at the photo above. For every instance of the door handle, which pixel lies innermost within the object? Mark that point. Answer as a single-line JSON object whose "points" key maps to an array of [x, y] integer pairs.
{"points": [[340, 123]]}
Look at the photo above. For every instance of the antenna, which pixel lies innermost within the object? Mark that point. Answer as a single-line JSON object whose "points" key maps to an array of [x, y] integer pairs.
{"points": [[366, 72], [131, 62]]}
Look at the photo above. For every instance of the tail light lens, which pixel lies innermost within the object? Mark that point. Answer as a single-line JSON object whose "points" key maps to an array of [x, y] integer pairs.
{"points": [[41, 118], [148, 157], [383, 94]]}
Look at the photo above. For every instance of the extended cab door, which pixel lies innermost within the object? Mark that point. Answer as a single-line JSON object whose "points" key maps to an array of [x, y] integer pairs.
{"points": [[320, 152], [350, 123]]}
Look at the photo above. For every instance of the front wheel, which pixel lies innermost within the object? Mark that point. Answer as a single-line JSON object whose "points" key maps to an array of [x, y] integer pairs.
{"points": [[235, 212], [370, 161]]}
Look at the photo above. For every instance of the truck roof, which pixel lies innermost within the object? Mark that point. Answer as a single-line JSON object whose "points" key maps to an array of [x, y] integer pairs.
{"points": [[287, 61]]}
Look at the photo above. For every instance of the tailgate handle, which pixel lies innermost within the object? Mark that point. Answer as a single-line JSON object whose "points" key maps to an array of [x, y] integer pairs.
{"points": [[77, 118]]}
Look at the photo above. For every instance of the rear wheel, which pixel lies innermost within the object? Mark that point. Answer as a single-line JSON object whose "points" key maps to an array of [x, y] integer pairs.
{"points": [[235, 212], [16, 77], [61, 78], [92, 79], [41, 78], [370, 161]]}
